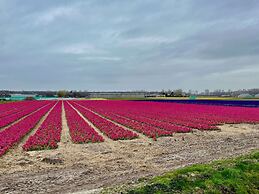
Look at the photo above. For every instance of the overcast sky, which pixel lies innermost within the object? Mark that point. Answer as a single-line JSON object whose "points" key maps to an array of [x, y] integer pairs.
{"points": [[129, 44]]}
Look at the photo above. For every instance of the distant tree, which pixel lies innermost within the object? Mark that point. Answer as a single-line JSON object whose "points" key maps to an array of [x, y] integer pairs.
{"points": [[62, 93]]}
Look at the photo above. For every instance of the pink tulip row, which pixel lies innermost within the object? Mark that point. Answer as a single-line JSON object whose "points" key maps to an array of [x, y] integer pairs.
{"points": [[16, 132], [48, 134], [171, 116], [22, 111], [156, 123], [80, 130], [205, 118], [112, 130], [181, 123], [146, 129], [11, 108]]}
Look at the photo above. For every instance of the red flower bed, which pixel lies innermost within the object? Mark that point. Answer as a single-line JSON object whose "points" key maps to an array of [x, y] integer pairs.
{"points": [[80, 130], [144, 128], [14, 133], [171, 117], [21, 111], [10, 108], [112, 130], [156, 123], [153, 119], [48, 134]]}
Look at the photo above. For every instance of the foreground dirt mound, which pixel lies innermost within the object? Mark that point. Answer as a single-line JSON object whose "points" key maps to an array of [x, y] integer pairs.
{"points": [[90, 167]]}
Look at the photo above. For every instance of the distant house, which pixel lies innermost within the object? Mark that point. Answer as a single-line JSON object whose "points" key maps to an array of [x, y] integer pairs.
{"points": [[246, 95]]}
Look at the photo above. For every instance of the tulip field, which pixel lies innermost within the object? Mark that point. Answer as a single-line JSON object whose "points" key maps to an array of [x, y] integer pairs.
{"points": [[91, 121]]}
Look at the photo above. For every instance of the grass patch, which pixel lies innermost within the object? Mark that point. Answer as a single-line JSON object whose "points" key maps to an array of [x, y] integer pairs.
{"points": [[240, 175]]}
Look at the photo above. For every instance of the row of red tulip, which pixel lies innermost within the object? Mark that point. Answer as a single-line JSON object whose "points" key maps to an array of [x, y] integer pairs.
{"points": [[148, 127], [156, 123], [11, 108], [112, 130], [144, 128], [179, 119], [150, 118], [22, 111], [170, 116], [48, 134], [17, 131], [80, 130], [182, 122]]}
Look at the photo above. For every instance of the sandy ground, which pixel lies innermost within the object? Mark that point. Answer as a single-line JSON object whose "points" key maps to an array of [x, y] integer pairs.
{"points": [[87, 168]]}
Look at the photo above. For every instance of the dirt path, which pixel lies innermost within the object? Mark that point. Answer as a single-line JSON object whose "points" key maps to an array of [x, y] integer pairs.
{"points": [[90, 167], [65, 136]]}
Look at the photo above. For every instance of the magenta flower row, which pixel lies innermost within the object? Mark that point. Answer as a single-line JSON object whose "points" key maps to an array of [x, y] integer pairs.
{"points": [[11, 108], [158, 119], [112, 130], [48, 134], [80, 130], [21, 111], [13, 134]]}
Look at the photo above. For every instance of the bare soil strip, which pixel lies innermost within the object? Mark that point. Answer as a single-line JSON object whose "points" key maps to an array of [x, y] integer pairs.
{"points": [[3, 128], [65, 135], [139, 134]]}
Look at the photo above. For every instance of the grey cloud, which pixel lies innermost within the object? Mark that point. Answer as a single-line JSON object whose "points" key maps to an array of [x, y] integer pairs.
{"points": [[120, 45]]}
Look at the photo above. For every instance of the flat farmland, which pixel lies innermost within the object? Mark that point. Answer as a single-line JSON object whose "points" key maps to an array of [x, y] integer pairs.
{"points": [[85, 145]]}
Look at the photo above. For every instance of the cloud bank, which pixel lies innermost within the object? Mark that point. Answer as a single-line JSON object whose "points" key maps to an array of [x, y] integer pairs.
{"points": [[129, 45]]}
